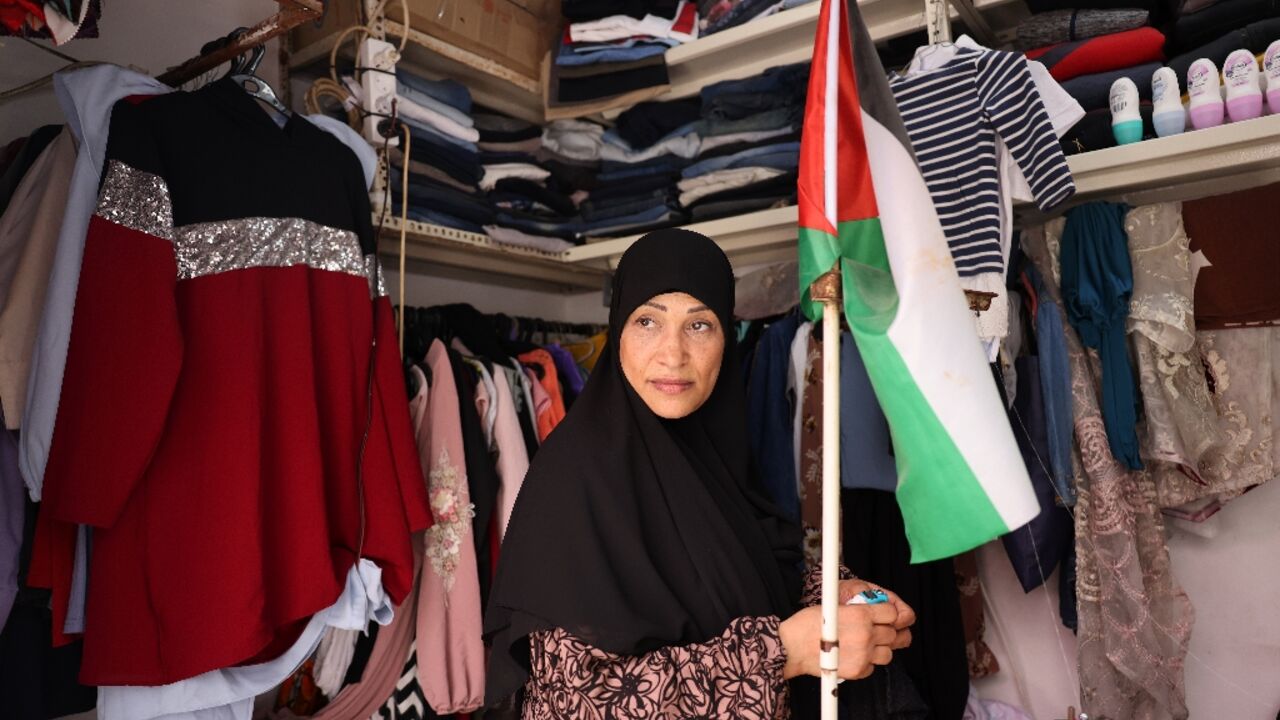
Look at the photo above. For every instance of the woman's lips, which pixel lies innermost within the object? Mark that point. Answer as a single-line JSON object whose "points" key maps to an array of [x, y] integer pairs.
{"points": [[671, 387]]}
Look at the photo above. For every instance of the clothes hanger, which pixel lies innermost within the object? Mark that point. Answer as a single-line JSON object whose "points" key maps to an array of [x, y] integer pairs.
{"points": [[244, 74]]}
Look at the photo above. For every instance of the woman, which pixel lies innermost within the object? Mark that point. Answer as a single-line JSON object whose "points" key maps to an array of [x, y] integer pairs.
{"points": [[643, 575]]}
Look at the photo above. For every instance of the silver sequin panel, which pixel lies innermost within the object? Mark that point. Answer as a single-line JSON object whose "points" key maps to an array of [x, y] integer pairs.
{"points": [[218, 247], [373, 271], [140, 201], [137, 200]]}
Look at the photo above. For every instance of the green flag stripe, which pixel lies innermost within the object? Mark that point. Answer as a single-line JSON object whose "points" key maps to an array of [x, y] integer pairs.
{"points": [[930, 465]]}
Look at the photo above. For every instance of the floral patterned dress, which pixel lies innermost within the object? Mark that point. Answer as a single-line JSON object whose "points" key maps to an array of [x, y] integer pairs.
{"points": [[736, 675]]}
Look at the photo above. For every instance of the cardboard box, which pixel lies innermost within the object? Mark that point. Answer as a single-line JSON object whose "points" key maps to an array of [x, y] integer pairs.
{"points": [[513, 33]]}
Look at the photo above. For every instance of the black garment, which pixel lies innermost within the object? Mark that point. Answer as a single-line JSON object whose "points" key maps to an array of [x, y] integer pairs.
{"points": [[731, 208], [875, 548], [585, 10], [503, 129], [360, 657], [534, 191], [632, 532], [609, 84], [648, 122], [23, 160], [633, 187], [1254, 37], [1208, 24], [37, 680], [460, 164], [482, 473], [1093, 132], [569, 173], [427, 193]]}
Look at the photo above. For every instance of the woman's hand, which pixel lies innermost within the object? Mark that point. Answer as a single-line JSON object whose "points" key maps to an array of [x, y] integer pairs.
{"points": [[906, 616], [866, 633]]}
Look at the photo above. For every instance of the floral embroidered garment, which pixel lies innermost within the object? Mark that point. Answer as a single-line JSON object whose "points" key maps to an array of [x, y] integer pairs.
{"points": [[1135, 620], [736, 675], [451, 657], [1181, 422]]}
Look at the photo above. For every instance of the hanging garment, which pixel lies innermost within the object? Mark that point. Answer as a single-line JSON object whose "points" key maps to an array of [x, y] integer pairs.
{"points": [[1097, 284], [866, 450], [12, 522], [228, 693], [1234, 233], [953, 115], [1039, 547], [875, 548], [769, 413], [982, 661], [362, 697], [550, 415], [1134, 619], [1181, 422], [86, 97], [31, 223], [451, 654], [174, 316], [512, 457], [482, 476], [28, 151], [1055, 385], [333, 658]]}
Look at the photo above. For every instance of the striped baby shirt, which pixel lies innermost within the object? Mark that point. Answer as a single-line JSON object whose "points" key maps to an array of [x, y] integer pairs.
{"points": [[953, 114]]}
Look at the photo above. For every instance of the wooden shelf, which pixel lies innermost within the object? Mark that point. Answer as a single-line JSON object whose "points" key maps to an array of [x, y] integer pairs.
{"points": [[782, 39], [1194, 164], [454, 253], [758, 237]]}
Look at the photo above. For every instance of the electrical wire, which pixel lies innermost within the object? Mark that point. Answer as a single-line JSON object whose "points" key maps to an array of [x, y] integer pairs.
{"points": [[404, 221]]}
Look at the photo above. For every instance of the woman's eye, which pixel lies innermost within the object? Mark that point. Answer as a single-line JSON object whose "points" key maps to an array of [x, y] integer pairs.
{"points": [[645, 321], [701, 326]]}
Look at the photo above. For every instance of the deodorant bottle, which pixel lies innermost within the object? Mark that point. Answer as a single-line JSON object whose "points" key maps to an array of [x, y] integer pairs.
{"points": [[1244, 97], [1126, 120], [1168, 115], [1206, 96], [1271, 63]]}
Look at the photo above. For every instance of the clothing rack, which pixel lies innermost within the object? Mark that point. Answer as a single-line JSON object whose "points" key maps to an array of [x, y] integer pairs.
{"points": [[292, 13]]}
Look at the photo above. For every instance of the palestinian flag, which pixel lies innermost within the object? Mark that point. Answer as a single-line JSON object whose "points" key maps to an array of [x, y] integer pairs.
{"points": [[863, 202]]}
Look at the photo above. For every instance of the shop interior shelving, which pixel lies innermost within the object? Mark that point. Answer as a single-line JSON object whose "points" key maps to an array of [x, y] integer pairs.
{"points": [[1193, 164]]}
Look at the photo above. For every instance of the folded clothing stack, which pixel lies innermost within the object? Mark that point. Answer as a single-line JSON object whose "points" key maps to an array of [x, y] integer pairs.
{"points": [[749, 150], [640, 164], [720, 15], [614, 47], [531, 206], [1087, 48], [444, 159]]}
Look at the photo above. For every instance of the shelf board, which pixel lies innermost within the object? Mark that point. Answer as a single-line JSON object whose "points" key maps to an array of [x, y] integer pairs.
{"points": [[1199, 155], [781, 39], [758, 237], [1194, 164], [451, 252]]}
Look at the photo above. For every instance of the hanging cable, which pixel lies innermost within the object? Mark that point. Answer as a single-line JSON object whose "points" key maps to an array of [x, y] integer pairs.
{"points": [[404, 221]]}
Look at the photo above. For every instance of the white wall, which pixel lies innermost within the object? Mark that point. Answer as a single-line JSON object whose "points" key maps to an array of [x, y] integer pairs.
{"points": [[148, 35]]}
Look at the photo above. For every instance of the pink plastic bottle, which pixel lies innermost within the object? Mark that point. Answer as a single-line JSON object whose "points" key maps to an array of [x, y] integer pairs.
{"points": [[1271, 63], [1244, 98], [1206, 97]]}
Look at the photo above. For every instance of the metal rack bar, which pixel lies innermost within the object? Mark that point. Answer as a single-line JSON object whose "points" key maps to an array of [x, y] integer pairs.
{"points": [[292, 13]]}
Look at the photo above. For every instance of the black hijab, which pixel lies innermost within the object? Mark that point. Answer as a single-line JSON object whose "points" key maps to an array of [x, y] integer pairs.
{"points": [[633, 532]]}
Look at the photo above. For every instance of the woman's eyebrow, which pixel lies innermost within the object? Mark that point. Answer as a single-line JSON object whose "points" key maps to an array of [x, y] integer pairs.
{"points": [[653, 304], [698, 308]]}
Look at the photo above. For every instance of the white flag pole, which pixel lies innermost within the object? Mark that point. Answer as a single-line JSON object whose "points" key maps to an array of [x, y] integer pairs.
{"points": [[826, 290]]}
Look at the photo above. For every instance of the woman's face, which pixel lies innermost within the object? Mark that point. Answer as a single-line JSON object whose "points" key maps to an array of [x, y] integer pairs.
{"points": [[670, 350]]}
